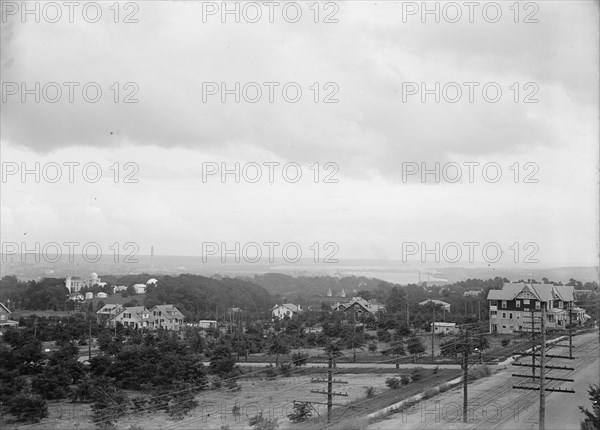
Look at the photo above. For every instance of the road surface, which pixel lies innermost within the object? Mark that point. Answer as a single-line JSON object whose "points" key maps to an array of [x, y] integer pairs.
{"points": [[494, 404]]}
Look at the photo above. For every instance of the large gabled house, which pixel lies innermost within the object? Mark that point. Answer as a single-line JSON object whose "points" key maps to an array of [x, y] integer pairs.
{"points": [[511, 307], [286, 309], [167, 317], [134, 317], [108, 312], [360, 306]]}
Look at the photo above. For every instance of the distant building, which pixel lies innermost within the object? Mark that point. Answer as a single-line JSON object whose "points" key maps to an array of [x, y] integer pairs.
{"points": [[207, 323], [360, 306], [472, 293], [151, 281], [117, 288], [140, 288], [134, 317], [101, 295], [5, 320], [445, 305], [74, 283], [107, 312], [286, 309], [89, 295], [511, 307], [444, 328], [167, 317]]}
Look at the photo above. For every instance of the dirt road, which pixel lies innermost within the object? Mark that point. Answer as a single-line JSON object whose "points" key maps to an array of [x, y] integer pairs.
{"points": [[494, 404]]}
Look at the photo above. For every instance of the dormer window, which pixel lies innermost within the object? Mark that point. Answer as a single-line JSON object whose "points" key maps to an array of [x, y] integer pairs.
{"points": [[504, 303]]}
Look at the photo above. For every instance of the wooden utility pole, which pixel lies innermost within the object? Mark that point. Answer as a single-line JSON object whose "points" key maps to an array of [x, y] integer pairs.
{"points": [[329, 393], [90, 341], [542, 408], [465, 377], [542, 378], [432, 334]]}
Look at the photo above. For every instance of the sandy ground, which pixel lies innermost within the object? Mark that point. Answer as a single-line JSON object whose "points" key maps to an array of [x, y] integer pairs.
{"points": [[493, 404]]}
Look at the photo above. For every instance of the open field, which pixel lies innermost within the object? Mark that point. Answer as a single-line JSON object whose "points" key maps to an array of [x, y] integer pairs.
{"points": [[273, 397]]}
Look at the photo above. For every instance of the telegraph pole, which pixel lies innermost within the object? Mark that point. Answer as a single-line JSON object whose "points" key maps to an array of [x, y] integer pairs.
{"points": [[432, 334], [90, 341], [543, 368], [542, 409], [329, 393], [465, 375]]}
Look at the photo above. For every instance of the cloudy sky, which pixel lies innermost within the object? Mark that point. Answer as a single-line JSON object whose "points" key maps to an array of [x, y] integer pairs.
{"points": [[372, 65]]}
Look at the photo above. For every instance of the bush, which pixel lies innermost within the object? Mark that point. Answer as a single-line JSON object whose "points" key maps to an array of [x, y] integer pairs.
{"points": [[369, 391], [504, 342], [393, 383], [372, 347], [301, 412], [430, 393], [299, 358], [416, 374], [28, 407], [286, 369], [405, 379], [479, 372]]}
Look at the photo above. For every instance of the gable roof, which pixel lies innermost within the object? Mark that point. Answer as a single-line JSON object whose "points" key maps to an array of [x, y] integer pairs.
{"points": [[109, 308], [542, 292], [292, 307], [437, 302], [137, 310], [5, 308], [169, 310]]}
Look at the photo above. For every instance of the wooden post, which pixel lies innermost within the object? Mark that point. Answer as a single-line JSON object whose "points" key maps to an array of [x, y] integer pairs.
{"points": [[90, 341], [465, 375], [330, 387], [542, 415], [432, 334]]}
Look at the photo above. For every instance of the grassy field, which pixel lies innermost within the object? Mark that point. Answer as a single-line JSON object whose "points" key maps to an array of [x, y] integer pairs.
{"points": [[274, 398]]}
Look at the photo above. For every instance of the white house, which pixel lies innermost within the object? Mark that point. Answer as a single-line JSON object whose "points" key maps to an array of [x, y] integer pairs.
{"points": [[89, 295], [101, 295], [444, 327], [139, 288], [207, 323], [286, 309]]}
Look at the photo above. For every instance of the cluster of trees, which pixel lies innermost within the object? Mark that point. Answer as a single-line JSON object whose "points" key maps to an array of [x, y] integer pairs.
{"points": [[47, 294]]}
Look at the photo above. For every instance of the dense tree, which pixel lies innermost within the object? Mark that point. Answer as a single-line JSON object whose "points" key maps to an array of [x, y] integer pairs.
{"points": [[279, 344], [222, 361], [415, 345], [592, 418]]}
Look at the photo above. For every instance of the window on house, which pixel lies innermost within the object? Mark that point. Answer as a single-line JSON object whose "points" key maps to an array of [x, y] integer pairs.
{"points": [[494, 303], [510, 315], [504, 303], [518, 303], [526, 301], [537, 305], [503, 314]]}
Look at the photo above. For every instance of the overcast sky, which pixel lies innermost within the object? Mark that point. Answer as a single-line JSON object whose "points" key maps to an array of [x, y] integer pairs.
{"points": [[371, 135]]}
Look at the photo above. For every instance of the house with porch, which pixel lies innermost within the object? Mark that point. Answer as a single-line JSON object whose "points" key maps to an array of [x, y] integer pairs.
{"points": [[517, 307], [360, 306], [167, 317], [134, 317], [286, 309]]}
